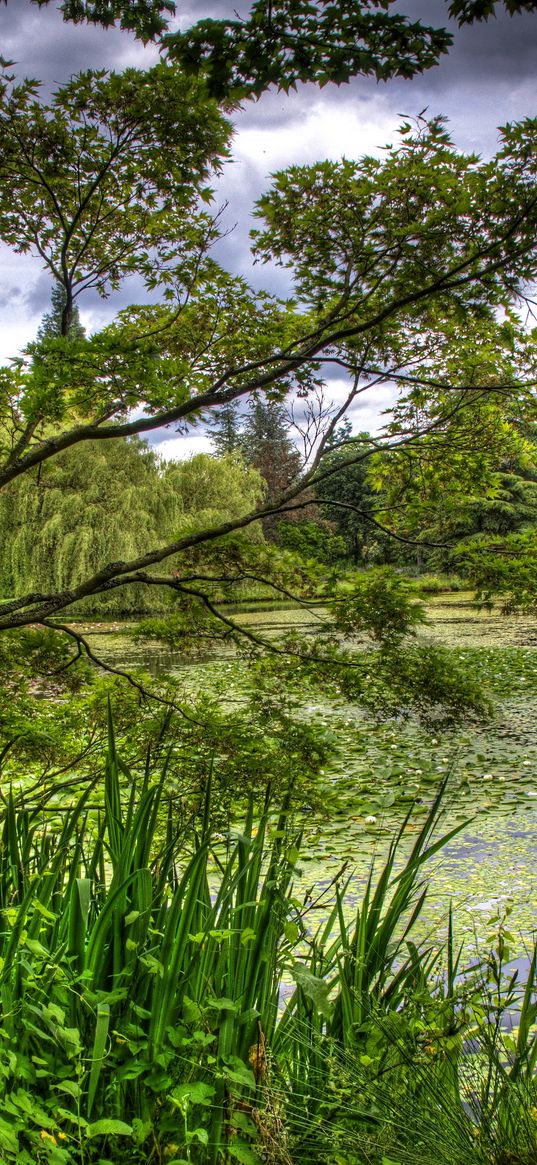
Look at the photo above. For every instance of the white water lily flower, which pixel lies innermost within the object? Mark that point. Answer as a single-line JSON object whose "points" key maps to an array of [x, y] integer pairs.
{"points": [[371, 820]]}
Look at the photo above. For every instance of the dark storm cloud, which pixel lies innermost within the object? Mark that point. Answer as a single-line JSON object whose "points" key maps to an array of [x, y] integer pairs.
{"points": [[503, 48], [37, 297], [487, 79], [48, 48]]}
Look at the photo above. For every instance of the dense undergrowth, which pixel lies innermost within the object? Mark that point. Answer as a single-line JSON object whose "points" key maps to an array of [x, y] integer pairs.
{"points": [[166, 998]]}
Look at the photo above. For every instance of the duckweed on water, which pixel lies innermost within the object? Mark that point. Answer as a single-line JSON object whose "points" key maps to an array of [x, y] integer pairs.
{"points": [[378, 770]]}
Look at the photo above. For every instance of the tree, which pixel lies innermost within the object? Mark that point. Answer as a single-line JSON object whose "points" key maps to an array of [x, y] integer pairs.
{"points": [[103, 182], [400, 266], [125, 495], [147, 18], [281, 42], [89, 505], [492, 537], [225, 429], [52, 322], [508, 506], [127, 499], [212, 488], [466, 11], [266, 444], [346, 482]]}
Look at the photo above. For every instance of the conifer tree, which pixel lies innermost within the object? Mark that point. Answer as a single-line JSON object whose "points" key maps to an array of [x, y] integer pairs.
{"points": [[51, 324], [267, 446], [225, 429]]}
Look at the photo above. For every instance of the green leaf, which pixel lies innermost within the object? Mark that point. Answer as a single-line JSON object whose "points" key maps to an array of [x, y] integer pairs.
{"points": [[99, 1051], [243, 1153], [199, 1135], [314, 988], [109, 1128], [196, 1092]]}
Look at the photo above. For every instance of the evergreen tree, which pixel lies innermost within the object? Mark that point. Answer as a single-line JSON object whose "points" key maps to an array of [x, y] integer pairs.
{"points": [[225, 429], [267, 446], [52, 323]]}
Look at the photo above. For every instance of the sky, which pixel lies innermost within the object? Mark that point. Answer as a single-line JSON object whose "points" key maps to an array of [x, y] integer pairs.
{"points": [[487, 79]]}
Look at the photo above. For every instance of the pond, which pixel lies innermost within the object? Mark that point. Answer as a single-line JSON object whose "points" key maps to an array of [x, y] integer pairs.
{"points": [[379, 769]]}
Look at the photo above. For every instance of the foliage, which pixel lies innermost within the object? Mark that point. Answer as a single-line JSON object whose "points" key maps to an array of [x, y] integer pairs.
{"points": [[385, 675], [440, 495], [467, 11], [417, 281], [131, 994], [380, 604], [130, 501], [147, 18], [225, 429], [266, 444], [502, 569], [349, 502], [447, 1078], [142, 960], [435, 584], [285, 42], [140, 977], [71, 173], [212, 489], [127, 502], [52, 322], [312, 541], [282, 42], [356, 974], [53, 731]]}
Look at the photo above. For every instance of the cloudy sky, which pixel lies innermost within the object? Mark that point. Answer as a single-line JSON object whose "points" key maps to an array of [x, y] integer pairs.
{"points": [[487, 79]]}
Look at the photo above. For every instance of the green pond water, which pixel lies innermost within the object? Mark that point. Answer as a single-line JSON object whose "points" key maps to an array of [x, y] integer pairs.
{"points": [[378, 770]]}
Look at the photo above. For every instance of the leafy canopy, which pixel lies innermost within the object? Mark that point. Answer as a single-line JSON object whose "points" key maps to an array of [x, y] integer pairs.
{"points": [[282, 42], [147, 18], [400, 265], [104, 180]]}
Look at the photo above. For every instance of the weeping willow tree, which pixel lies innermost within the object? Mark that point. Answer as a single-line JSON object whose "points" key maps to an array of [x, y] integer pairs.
{"points": [[108, 501], [93, 505], [105, 501]]}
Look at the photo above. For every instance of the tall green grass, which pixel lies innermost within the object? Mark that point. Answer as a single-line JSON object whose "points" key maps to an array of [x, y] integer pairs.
{"points": [[143, 963], [139, 964]]}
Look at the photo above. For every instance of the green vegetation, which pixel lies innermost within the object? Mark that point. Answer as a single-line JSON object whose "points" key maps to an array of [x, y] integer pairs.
{"points": [[380, 284], [170, 991], [142, 960]]}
